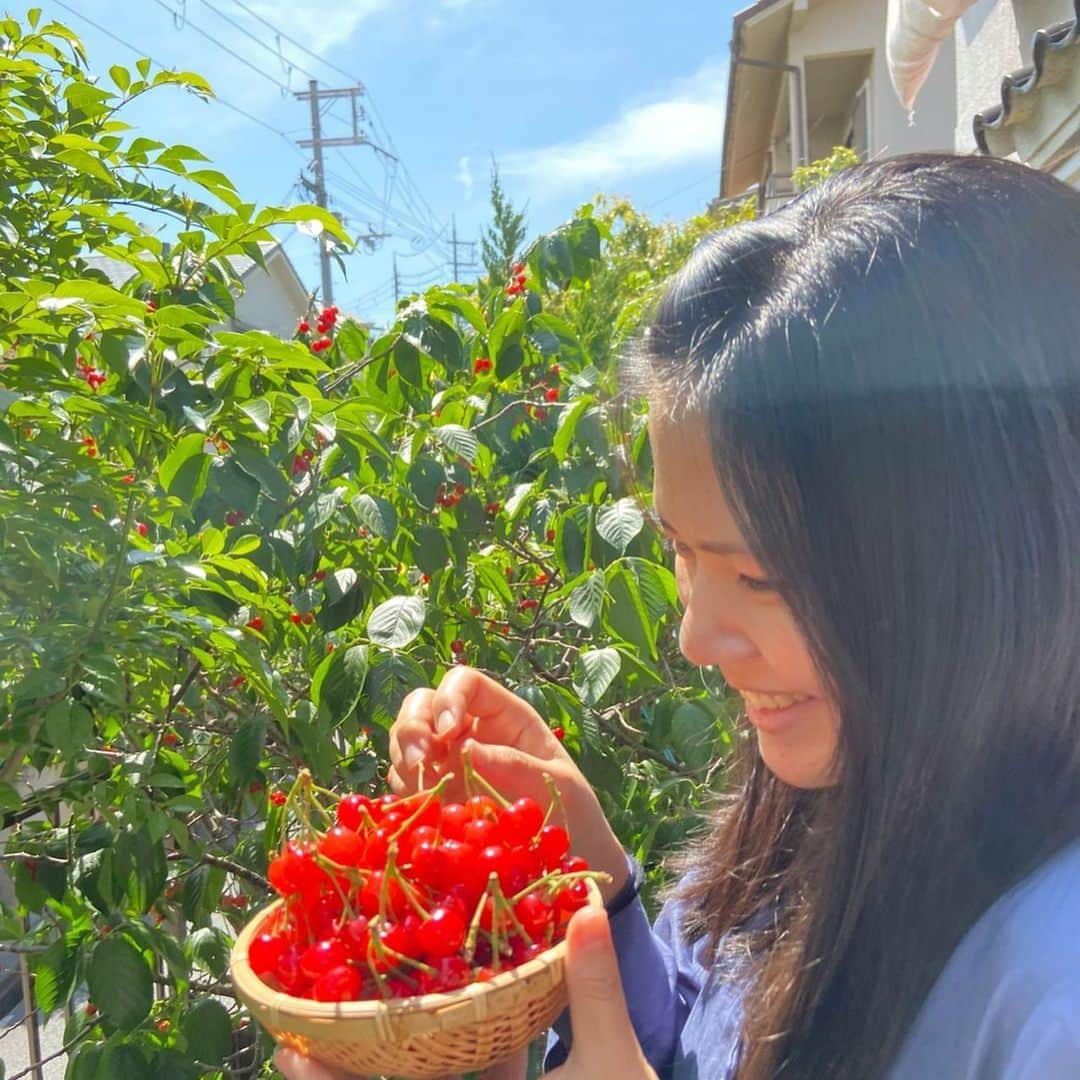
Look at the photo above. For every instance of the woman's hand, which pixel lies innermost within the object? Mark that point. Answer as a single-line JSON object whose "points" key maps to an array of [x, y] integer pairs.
{"points": [[511, 747], [604, 1039], [294, 1066]]}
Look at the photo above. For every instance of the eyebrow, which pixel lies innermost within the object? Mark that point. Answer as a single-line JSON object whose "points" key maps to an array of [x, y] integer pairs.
{"points": [[713, 547]]}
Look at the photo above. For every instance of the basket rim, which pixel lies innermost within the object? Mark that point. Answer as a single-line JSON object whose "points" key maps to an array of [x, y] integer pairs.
{"points": [[258, 994]]}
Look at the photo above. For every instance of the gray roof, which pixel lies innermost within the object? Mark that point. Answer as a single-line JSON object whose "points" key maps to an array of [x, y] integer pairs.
{"points": [[118, 271], [1052, 52]]}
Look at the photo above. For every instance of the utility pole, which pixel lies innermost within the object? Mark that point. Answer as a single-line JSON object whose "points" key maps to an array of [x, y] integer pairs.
{"points": [[455, 243], [314, 95]]}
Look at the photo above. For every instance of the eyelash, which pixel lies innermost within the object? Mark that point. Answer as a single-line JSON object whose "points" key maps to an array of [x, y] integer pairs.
{"points": [[757, 585]]}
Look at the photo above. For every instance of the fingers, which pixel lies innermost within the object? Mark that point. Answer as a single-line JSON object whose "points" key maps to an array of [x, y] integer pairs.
{"points": [[512, 771], [604, 1040], [294, 1066], [514, 1068], [497, 714]]}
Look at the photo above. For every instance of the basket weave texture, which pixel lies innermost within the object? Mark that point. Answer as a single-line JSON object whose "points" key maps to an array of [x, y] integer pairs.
{"points": [[421, 1038]]}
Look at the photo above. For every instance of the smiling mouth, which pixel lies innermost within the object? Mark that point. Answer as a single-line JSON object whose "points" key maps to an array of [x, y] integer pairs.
{"points": [[772, 701]]}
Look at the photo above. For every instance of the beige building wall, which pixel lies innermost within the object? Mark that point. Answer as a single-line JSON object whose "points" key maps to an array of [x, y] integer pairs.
{"points": [[839, 27]]}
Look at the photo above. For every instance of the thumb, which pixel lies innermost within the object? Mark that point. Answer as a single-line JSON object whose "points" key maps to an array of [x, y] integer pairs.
{"points": [[604, 1040]]}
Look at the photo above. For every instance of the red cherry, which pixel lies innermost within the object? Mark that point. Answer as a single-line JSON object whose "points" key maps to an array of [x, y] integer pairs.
{"points": [[265, 952], [554, 844], [453, 819], [573, 896], [338, 984], [482, 806], [573, 864], [343, 846], [356, 936], [534, 913], [551, 395], [350, 810], [321, 957], [296, 618], [559, 733], [292, 979], [481, 833], [278, 798], [443, 932], [457, 646], [521, 820], [550, 534]]}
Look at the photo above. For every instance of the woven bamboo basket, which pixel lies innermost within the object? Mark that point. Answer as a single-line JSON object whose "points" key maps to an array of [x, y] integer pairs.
{"points": [[433, 1035]]}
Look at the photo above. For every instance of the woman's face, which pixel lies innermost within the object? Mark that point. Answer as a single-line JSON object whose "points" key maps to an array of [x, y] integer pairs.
{"points": [[733, 620]]}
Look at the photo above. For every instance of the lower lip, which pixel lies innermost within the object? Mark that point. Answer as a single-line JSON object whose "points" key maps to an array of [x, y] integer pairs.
{"points": [[776, 721]]}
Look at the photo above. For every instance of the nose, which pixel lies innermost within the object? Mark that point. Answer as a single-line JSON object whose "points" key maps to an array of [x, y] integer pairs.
{"points": [[708, 639]]}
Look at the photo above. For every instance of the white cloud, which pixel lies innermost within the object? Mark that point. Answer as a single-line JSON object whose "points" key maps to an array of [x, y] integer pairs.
{"points": [[464, 175], [683, 126], [318, 24]]}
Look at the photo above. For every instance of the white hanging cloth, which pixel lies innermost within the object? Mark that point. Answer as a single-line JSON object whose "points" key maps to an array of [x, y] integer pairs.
{"points": [[915, 30]]}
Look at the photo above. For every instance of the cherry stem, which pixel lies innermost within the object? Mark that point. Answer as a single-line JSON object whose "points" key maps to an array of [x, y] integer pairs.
{"points": [[432, 794], [472, 775], [560, 879], [556, 801]]}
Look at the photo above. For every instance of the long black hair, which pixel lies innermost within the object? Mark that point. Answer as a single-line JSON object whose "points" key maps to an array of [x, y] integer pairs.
{"points": [[889, 368]]}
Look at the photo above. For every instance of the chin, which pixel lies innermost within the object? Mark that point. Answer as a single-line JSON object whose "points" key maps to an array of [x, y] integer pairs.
{"points": [[808, 771]]}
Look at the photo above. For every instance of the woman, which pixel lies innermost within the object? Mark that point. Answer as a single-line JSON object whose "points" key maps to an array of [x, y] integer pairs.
{"points": [[864, 413]]}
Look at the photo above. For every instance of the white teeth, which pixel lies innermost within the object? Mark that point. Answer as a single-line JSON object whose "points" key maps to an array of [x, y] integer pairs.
{"points": [[773, 701]]}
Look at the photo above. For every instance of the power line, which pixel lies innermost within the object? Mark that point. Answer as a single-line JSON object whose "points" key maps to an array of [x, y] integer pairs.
{"points": [[168, 67], [225, 48], [258, 41], [292, 41]]}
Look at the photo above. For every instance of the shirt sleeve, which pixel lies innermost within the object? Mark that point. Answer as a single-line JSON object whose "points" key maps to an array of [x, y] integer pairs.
{"points": [[661, 981], [1047, 1046]]}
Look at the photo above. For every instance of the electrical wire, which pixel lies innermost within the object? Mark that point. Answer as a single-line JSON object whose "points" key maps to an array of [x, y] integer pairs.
{"points": [[225, 48], [166, 67]]}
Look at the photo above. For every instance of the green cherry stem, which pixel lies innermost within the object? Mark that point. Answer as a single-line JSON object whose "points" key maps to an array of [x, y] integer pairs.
{"points": [[472, 775]]}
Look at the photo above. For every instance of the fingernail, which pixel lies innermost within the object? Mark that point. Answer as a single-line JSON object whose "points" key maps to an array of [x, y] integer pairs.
{"points": [[412, 756], [445, 722]]}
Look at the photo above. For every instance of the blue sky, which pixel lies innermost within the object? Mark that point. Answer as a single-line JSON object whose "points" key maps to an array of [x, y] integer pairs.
{"points": [[570, 99]]}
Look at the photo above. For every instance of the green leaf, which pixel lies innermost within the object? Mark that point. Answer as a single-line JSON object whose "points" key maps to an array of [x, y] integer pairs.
{"points": [[620, 523], [458, 440], [86, 163], [626, 617], [120, 982], [185, 449], [377, 515], [208, 1030], [568, 422], [504, 341], [594, 672], [431, 551], [122, 1061], [200, 892], [257, 411], [120, 76], [210, 950], [587, 600], [425, 475], [54, 973], [339, 681], [397, 621], [390, 679], [693, 731], [246, 750], [253, 460]]}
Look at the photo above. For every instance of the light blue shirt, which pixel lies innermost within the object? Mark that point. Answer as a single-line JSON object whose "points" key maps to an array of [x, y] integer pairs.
{"points": [[1005, 1007]]}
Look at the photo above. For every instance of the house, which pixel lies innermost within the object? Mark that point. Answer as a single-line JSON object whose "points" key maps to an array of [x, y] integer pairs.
{"points": [[996, 76], [1017, 74], [274, 300], [808, 75]]}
